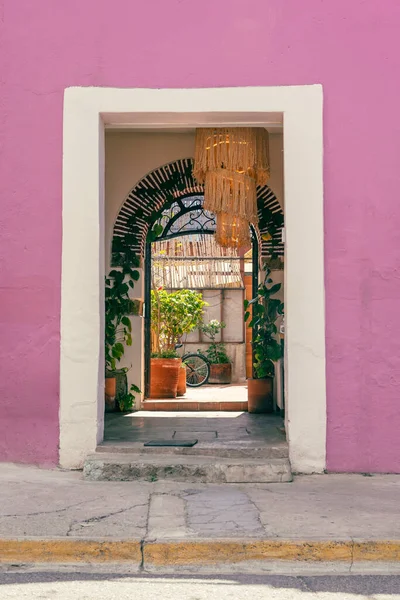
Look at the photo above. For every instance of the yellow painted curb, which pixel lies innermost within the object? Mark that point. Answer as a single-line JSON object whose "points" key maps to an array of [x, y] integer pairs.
{"points": [[69, 551], [194, 552], [220, 552], [376, 551]]}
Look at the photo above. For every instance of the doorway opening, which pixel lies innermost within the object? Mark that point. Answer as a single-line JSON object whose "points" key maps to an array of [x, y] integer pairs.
{"points": [[88, 113], [183, 255]]}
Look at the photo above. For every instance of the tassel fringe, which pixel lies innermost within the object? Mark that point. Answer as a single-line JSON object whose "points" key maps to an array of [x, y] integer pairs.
{"points": [[241, 149], [232, 231], [230, 192]]}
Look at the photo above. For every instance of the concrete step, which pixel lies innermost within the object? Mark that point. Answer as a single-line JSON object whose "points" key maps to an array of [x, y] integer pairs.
{"points": [[201, 469], [221, 449], [179, 405]]}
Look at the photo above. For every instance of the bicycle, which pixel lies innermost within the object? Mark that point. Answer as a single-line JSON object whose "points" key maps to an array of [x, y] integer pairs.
{"points": [[197, 367]]}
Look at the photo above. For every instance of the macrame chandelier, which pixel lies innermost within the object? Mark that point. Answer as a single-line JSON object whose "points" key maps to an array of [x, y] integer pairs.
{"points": [[232, 231], [231, 162], [231, 192]]}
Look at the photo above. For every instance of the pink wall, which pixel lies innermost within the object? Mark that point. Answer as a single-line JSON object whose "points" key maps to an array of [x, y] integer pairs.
{"points": [[352, 48]]}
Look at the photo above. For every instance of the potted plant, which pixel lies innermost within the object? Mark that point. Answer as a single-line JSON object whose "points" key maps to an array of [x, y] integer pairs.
{"points": [[118, 334], [220, 364], [172, 315], [266, 348]]}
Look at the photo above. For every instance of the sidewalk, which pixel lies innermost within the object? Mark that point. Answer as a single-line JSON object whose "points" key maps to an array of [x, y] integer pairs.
{"points": [[56, 516]]}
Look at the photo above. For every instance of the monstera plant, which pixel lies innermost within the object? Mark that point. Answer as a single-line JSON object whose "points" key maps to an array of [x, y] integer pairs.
{"points": [[266, 310]]}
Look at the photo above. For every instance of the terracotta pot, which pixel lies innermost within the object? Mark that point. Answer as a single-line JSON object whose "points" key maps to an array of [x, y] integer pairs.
{"points": [[136, 307], [164, 374], [221, 374], [110, 393], [182, 381], [260, 395]]}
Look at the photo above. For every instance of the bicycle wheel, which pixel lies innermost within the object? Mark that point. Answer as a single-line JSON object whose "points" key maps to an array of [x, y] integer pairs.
{"points": [[197, 370]]}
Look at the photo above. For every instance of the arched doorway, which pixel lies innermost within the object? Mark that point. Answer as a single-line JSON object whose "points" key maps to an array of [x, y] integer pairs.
{"points": [[172, 189], [174, 182], [186, 219]]}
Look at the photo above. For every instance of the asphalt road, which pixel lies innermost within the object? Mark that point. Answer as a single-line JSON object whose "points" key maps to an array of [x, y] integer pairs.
{"points": [[50, 585]]}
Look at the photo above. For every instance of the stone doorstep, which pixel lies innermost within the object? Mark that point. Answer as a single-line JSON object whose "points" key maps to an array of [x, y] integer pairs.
{"points": [[181, 405], [221, 449], [131, 467]]}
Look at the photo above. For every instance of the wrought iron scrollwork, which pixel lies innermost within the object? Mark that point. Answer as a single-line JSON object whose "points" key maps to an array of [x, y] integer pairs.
{"points": [[187, 216]]}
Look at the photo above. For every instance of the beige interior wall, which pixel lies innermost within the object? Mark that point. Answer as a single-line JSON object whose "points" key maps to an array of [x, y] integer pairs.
{"points": [[129, 156]]}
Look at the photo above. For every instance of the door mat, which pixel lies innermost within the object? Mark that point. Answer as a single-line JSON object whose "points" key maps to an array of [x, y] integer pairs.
{"points": [[176, 443]]}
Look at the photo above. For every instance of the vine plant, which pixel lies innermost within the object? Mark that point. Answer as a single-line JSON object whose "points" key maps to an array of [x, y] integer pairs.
{"points": [[118, 305]]}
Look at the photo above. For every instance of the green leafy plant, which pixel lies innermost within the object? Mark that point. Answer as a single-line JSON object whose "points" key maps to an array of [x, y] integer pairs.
{"points": [[172, 315], [216, 352], [266, 311], [118, 305], [127, 401]]}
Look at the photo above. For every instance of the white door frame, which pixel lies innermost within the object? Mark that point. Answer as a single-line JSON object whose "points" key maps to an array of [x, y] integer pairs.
{"points": [[87, 111]]}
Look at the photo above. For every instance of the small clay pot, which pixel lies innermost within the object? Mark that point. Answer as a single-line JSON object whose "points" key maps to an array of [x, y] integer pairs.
{"points": [[260, 395], [221, 373], [110, 393]]}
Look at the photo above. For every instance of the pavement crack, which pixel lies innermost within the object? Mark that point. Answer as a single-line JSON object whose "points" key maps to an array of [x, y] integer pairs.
{"points": [[141, 566], [146, 530], [258, 512], [101, 517], [48, 512], [305, 584], [351, 555]]}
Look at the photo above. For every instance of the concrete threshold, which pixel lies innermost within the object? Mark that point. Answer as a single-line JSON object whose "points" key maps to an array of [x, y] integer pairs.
{"points": [[190, 469], [222, 449]]}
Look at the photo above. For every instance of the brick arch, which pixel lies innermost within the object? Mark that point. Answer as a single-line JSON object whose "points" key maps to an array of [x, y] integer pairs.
{"points": [[168, 183]]}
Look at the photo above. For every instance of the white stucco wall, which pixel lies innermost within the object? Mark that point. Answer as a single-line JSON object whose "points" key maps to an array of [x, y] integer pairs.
{"points": [[86, 109], [131, 155]]}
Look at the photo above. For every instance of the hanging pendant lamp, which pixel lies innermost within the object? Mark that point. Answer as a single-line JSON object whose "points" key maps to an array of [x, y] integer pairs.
{"points": [[231, 162], [240, 149], [232, 231]]}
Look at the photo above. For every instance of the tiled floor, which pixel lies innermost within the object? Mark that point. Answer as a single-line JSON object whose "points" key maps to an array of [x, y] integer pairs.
{"points": [[224, 427], [208, 427]]}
